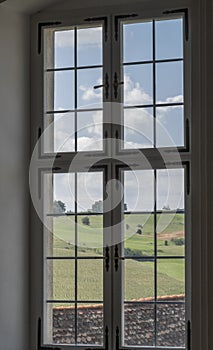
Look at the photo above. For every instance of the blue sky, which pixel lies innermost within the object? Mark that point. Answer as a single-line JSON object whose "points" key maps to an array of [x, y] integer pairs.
{"points": [[138, 89]]}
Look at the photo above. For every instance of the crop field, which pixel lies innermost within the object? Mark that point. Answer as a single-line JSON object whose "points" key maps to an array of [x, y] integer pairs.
{"points": [[139, 242]]}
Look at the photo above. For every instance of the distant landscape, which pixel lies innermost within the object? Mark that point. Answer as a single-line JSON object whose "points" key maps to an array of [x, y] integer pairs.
{"points": [[139, 275]]}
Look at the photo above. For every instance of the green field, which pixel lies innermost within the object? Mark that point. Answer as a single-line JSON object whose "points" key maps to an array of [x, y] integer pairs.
{"points": [[138, 275]]}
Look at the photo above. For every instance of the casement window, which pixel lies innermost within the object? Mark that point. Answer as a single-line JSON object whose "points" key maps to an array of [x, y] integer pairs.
{"points": [[113, 176]]}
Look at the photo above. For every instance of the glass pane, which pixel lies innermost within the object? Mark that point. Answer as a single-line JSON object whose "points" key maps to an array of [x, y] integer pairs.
{"points": [[90, 280], [90, 324], [169, 39], [137, 42], [61, 324], [170, 191], [139, 235], [90, 190], [139, 280], [90, 235], [64, 193], [60, 280], [139, 190], [138, 84], [59, 133], [139, 324], [138, 128], [171, 234], [89, 46], [59, 90], [88, 97], [170, 126], [61, 240], [90, 130], [64, 48], [171, 278], [171, 325], [169, 83]]}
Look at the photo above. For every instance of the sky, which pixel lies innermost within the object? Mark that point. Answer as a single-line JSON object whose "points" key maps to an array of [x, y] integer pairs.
{"points": [[138, 90]]}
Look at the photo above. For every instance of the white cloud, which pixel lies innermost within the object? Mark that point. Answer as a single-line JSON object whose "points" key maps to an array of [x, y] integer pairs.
{"points": [[134, 94], [88, 37]]}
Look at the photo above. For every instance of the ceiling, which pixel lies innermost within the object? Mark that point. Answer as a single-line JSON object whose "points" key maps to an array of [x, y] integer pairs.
{"points": [[28, 6], [33, 6]]}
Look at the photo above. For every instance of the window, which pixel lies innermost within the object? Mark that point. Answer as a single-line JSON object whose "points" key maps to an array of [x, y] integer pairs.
{"points": [[113, 174]]}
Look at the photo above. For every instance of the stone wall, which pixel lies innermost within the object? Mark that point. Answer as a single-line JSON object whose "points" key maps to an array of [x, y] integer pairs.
{"points": [[139, 324]]}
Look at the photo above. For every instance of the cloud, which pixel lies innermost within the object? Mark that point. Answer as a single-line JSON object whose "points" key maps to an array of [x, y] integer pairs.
{"points": [[89, 37], [134, 93]]}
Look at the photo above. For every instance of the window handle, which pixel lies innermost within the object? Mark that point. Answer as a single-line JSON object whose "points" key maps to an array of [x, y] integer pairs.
{"points": [[116, 85], [105, 85]]}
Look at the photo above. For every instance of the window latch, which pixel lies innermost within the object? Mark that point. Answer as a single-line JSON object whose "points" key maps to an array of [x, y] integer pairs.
{"points": [[105, 85], [116, 85], [39, 346], [117, 258]]}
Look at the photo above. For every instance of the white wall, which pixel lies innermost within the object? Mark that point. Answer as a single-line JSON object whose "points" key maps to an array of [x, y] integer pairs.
{"points": [[14, 151]]}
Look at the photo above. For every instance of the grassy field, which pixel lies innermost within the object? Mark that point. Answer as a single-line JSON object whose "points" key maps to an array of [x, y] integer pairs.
{"points": [[138, 275]]}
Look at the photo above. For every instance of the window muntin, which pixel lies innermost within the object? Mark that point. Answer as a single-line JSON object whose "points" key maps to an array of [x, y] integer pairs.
{"points": [[156, 310], [153, 259], [73, 65], [73, 257], [153, 72]]}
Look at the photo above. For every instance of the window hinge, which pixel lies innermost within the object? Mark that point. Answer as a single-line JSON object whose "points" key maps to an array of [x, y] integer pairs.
{"points": [[189, 335], [188, 182], [185, 11], [118, 18], [40, 26], [107, 258], [99, 19], [39, 346]]}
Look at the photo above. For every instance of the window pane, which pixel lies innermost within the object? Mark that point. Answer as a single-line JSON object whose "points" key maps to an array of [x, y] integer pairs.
{"points": [[171, 278], [171, 234], [138, 84], [137, 42], [90, 235], [88, 97], [170, 190], [60, 280], [171, 325], [90, 130], [90, 324], [170, 126], [139, 279], [61, 323], [89, 46], [138, 128], [90, 190], [139, 235], [169, 39], [59, 133], [139, 324], [61, 240], [90, 280], [139, 190], [59, 90], [64, 48], [169, 84]]}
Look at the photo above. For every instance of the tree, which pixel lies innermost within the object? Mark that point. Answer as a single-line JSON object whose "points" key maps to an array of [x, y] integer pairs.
{"points": [[85, 221], [59, 207]]}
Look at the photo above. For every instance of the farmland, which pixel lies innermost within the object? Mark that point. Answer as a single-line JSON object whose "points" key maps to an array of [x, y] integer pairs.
{"points": [[138, 273]]}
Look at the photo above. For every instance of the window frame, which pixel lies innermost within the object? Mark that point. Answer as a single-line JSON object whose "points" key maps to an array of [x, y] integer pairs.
{"points": [[35, 122]]}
